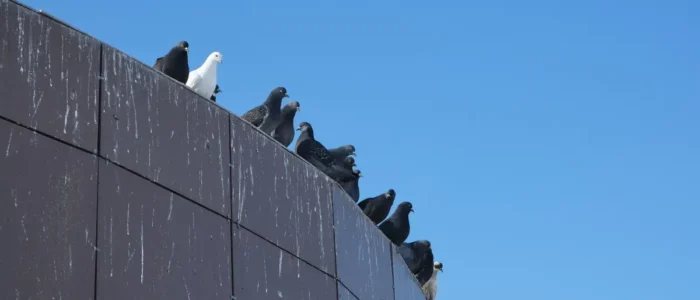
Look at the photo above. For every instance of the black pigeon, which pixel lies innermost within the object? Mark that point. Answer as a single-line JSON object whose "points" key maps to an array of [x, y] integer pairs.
{"points": [[352, 187], [175, 64], [397, 227], [377, 208], [267, 115], [159, 64], [340, 153], [216, 91], [414, 253], [316, 154], [427, 268], [284, 133]]}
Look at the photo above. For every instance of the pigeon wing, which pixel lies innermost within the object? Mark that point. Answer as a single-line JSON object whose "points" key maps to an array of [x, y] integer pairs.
{"points": [[363, 205], [256, 115], [322, 154], [194, 79]]}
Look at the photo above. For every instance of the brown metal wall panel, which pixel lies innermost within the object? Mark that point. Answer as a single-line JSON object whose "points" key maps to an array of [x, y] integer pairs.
{"points": [[344, 294], [48, 76], [280, 197], [363, 253], [162, 130], [406, 286], [47, 217], [156, 245], [263, 271]]}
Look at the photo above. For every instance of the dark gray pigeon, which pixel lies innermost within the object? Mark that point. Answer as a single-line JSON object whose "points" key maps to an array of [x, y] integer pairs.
{"points": [[175, 64], [316, 154], [349, 163], [377, 208], [397, 227], [426, 268], [216, 91], [352, 187], [340, 153], [267, 115], [414, 253], [284, 133]]}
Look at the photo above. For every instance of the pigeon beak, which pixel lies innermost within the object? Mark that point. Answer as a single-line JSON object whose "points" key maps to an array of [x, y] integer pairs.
{"points": [[298, 109], [354, 154], [440, 270], [286, 95], [187, 49], [412, 210], [299, 128]]}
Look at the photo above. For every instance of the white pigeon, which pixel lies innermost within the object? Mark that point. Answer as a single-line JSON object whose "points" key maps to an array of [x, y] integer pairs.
{"points": [[203, 79], [430, 287]]}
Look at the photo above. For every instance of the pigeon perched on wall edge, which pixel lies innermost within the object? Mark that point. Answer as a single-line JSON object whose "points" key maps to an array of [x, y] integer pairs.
{"points": [[284, 133], [316, 154], [378, 208], [340, 153], [430, 288], [267, 116], [203, 79], [352, 187], [175, 63], [414, 253], [397, 227]]}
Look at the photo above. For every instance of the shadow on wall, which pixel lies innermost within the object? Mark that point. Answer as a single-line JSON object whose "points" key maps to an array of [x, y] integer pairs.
{"points": [[120, 183]]}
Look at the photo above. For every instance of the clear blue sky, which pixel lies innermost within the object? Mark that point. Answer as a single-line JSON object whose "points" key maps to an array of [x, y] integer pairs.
{"points": [[551, 148]]}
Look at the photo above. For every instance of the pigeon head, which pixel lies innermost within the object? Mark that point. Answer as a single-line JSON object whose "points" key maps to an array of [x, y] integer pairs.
{"points": [[438, 266], [350, 149], [423, 243], [276, 96], [305, 126], [390, 193], [183, 45], [405, 207], [216, 56], [350, 161], [280, 92], [291, 107]]}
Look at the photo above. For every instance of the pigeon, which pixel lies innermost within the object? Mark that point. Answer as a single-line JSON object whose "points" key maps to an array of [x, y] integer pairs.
{"points": [[397, 227], [427, 268], [284, 133], [216, 91], [377, 208], [414, 253], [316, 154], [349, 163], [267, 116], [430, 287], [340, 153], [352, 187], [175, 64], [203, 79]]}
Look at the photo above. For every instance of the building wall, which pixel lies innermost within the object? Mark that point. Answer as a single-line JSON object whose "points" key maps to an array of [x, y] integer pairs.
{"points": [[119, 183]]}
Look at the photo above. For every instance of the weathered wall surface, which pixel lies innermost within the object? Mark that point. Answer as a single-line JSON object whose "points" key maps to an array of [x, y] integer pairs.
{"points": [[119, 183]]}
